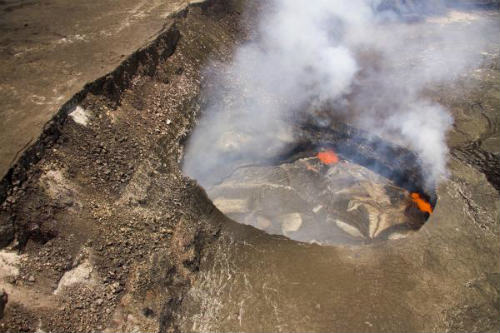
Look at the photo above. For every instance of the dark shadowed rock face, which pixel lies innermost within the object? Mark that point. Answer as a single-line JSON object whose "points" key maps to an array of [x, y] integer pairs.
{"points": [[3, 302]]}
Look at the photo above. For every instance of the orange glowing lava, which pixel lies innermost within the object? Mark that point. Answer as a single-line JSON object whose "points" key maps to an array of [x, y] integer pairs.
{"points": [[422, 204], [328, 157]]}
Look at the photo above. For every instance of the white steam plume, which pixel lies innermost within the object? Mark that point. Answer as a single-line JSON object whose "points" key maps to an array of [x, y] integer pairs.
{"points": [[308, 52]]}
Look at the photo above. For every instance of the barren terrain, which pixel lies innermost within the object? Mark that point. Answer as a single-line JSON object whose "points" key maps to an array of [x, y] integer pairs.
{"points": [[101, 231]]}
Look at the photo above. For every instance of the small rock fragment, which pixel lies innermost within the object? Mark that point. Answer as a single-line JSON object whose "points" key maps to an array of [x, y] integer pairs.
{"points": [[349, 229], [263, 223], [290, 222]]}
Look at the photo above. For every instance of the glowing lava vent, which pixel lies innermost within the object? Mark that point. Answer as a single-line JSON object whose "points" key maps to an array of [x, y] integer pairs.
{"points": [[328, 157]]}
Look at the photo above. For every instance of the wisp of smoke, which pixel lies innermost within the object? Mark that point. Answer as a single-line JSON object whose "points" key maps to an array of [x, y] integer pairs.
{"points": [[309, 53]]}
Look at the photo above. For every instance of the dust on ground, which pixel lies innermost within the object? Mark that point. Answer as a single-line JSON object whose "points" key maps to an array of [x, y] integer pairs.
{"points": [[105, 232]]}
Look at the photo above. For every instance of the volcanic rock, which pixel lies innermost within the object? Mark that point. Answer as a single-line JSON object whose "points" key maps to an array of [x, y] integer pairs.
{"points": [[3, 302], [308, 201]]}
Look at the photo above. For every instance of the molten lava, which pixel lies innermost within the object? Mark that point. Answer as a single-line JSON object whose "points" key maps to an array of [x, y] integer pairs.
{"points": [[422, 204], [328, 157]]}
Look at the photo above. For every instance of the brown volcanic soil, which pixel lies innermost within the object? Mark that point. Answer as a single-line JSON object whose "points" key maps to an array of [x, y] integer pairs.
{"points": [[103, 232], [107, 200], [49, 49]]}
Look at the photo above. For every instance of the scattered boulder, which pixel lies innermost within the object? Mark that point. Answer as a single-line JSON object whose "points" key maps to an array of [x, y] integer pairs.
{"points": [[82, 274], [290, 222]]}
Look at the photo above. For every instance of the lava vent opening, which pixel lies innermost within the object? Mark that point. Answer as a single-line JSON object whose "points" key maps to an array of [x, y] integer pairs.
{"points": [[332, 185]]}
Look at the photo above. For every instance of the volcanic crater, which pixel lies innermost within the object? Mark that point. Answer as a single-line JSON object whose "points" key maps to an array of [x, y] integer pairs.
{"points": [[332, 185]]}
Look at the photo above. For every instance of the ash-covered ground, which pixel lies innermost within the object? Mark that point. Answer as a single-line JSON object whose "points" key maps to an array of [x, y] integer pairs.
{"points": [[101, 231]]}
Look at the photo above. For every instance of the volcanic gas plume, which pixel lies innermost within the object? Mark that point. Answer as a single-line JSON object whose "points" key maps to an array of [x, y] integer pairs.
{"points": [[358, 59]]}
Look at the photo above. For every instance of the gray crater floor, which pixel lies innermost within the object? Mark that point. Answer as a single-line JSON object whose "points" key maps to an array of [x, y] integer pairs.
{"points": [[312, 202]]}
